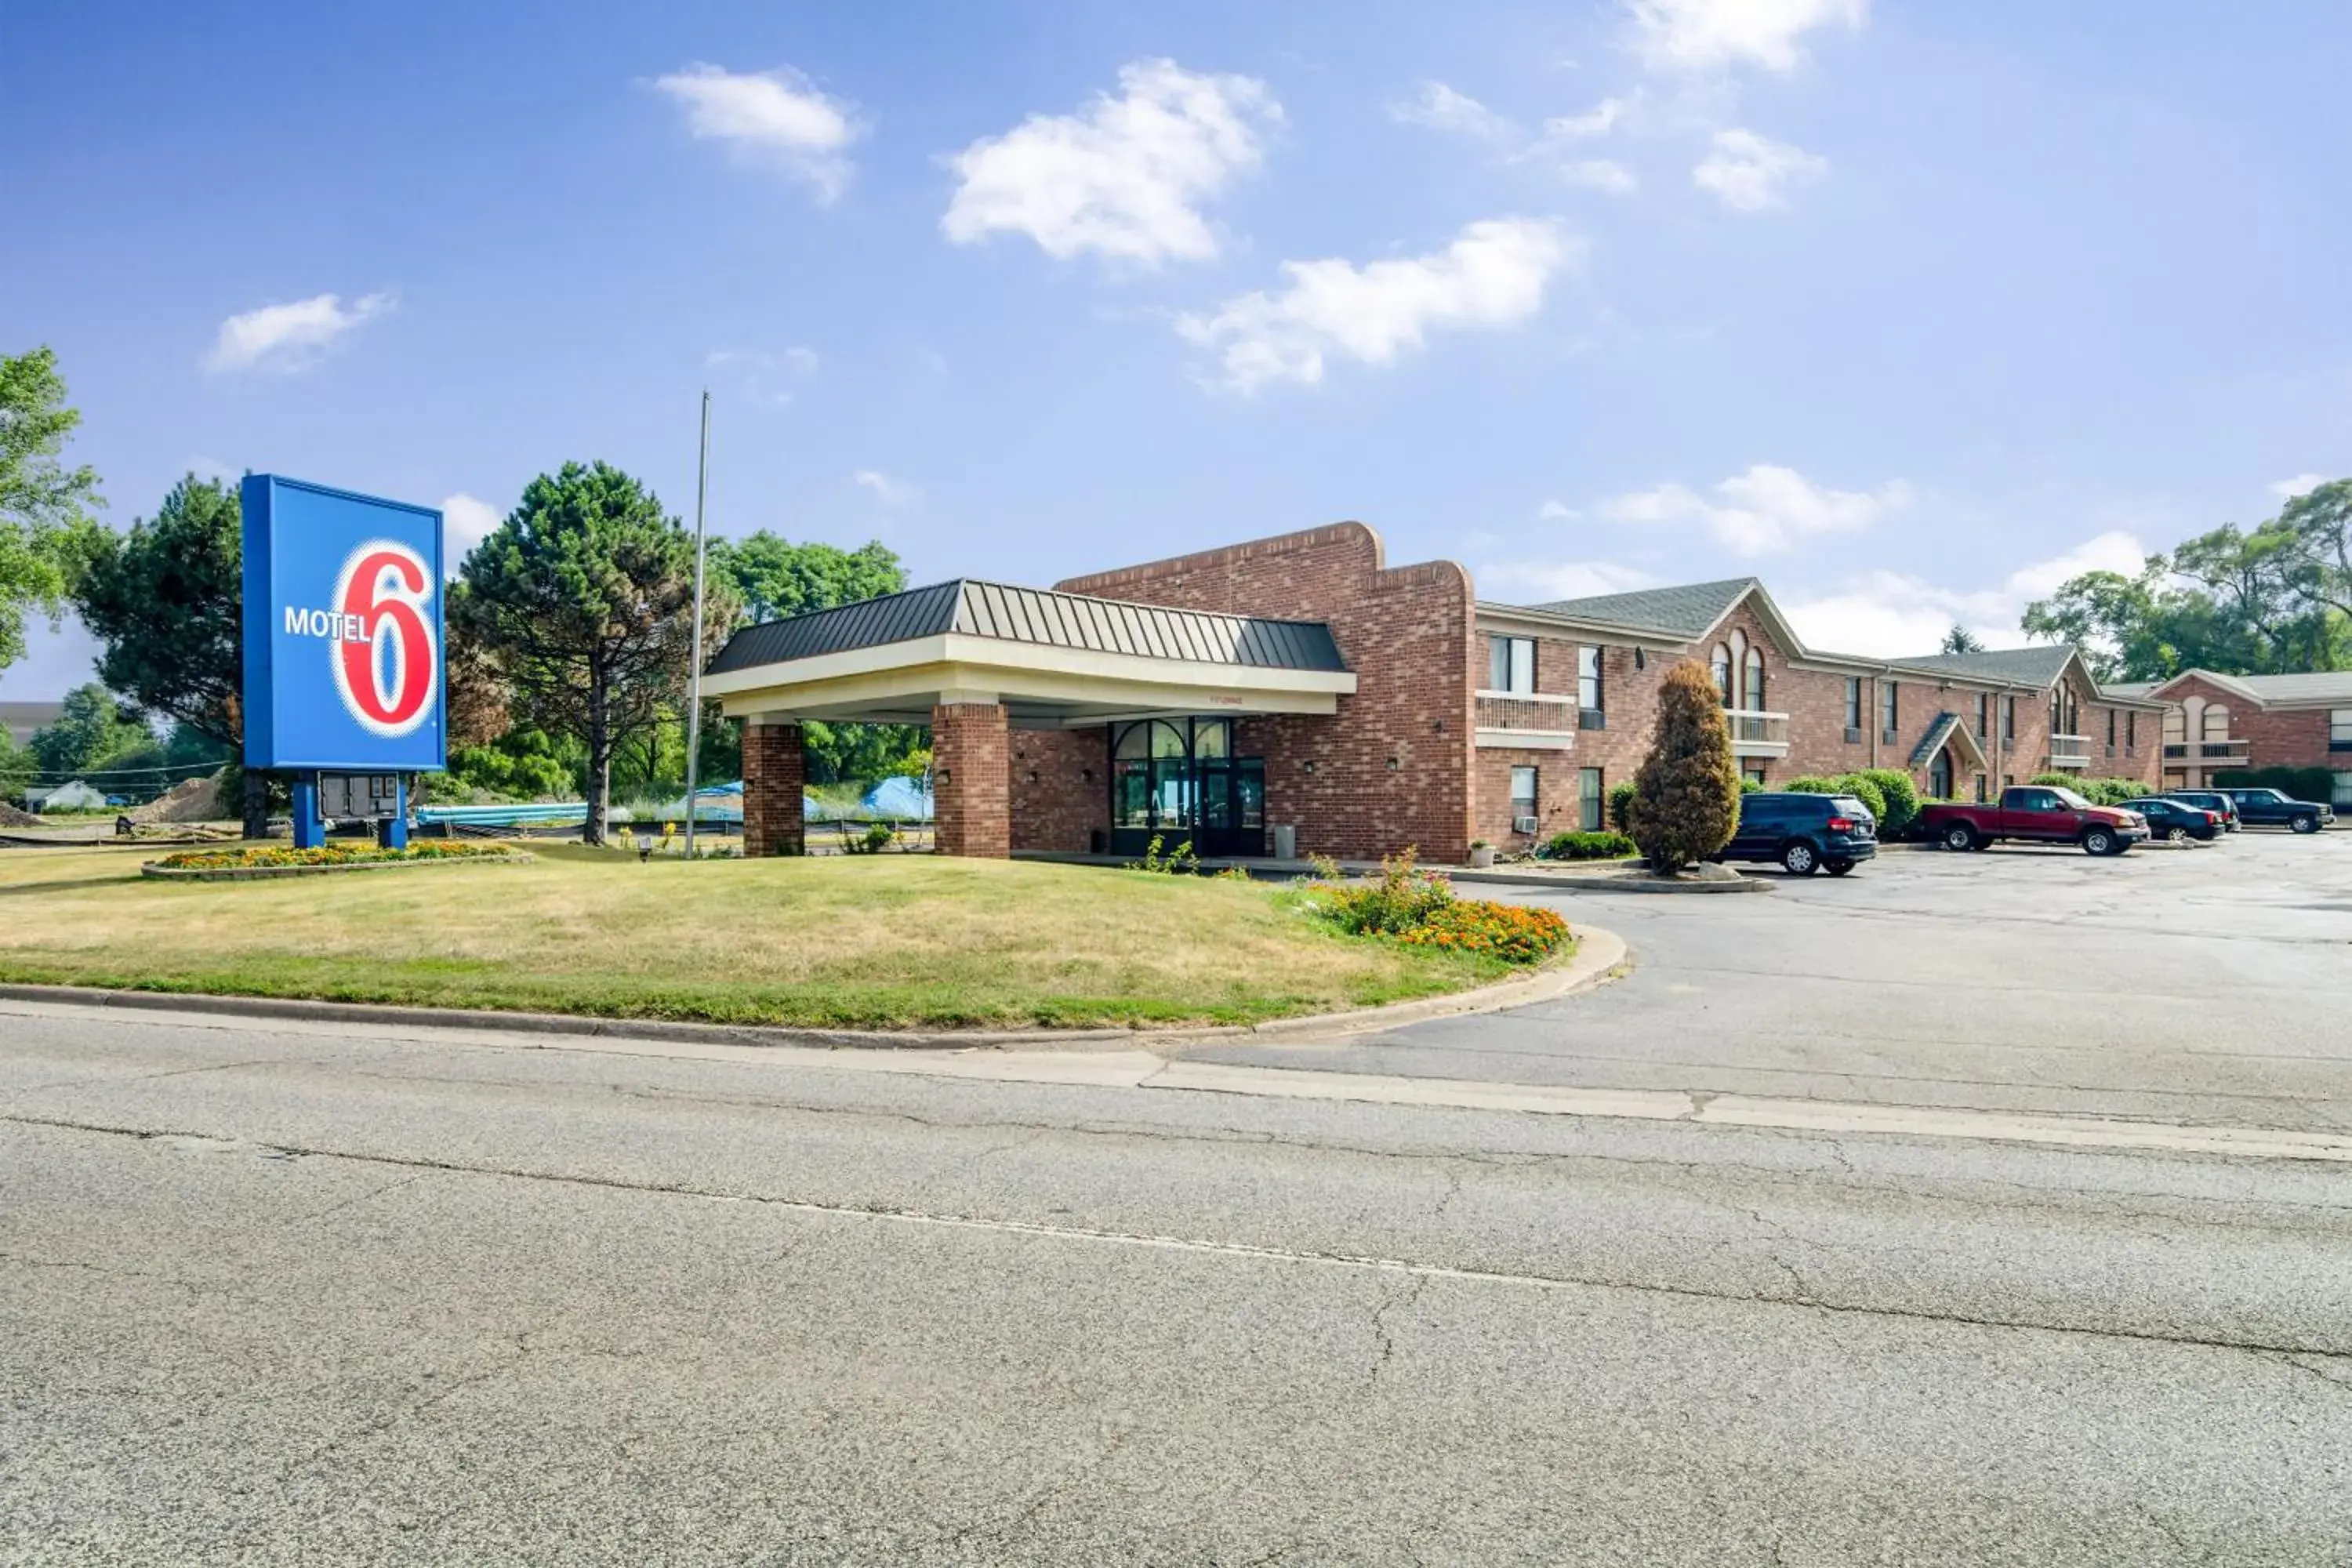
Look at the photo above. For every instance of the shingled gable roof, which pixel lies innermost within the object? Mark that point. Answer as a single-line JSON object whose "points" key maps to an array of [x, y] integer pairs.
{"points": [[2037, 665], [968, 608], [1689, 610], [2313, 687]]}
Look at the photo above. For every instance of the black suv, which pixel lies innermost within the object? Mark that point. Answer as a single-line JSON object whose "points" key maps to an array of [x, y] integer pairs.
{"points": [[2212, 800], [1803, 833], [2271, 808]]}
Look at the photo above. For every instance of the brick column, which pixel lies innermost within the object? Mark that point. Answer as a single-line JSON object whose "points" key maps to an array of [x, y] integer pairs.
{"points": [[971, 773], [773, 817]]}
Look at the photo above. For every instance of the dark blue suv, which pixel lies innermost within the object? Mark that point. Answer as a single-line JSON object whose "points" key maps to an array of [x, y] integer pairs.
{"points": [[1803, 833]]}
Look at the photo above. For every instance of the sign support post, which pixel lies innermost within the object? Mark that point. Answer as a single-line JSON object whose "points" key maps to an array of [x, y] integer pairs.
{"points": [[310, 828], [694, 672]]}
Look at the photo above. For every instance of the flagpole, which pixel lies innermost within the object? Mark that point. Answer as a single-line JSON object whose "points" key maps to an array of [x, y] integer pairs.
{"points": [[693, 677]]}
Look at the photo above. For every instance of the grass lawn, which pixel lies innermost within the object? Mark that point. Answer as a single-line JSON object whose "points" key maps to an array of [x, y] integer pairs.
{"points": [[883, 942]]}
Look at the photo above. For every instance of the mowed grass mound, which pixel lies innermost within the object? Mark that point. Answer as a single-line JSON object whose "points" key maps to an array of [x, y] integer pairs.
{"points": [[885, 942]]}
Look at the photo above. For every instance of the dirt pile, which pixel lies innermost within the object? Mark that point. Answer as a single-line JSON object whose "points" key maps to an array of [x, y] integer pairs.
{"points": [[190, 800], [11, 817]]}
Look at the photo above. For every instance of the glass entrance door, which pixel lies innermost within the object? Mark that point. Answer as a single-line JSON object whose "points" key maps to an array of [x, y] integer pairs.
{"points": [[1177, 780]]}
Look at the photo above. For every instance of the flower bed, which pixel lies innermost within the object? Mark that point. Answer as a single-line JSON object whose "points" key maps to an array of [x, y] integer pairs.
{"points": [[1417, 909], [285, 860]]}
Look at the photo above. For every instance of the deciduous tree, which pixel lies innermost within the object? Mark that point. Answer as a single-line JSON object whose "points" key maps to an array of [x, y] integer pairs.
{"points": [[45, 522], [582, 601], [1685, 800]]}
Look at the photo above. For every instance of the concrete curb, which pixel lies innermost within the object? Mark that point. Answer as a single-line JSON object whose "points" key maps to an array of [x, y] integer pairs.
{"points": [[1600, 955], [1613, 882]]}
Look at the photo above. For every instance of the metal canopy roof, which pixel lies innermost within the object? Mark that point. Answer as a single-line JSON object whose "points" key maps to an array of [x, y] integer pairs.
{"points": [[970, 607]]}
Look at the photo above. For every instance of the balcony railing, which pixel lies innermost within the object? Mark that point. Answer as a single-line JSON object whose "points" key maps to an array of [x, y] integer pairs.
{"points": [[2236, 751], [1532, 719], [2070, 750], [1757, 733]]}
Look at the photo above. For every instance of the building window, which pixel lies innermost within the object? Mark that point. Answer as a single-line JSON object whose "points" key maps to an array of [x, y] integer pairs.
{"points": [[1853, 707], [1587, 680], [2131, 729], [2339, 731], [1523, 795], [1754, 696], [1754, 774], [2009, 720], [1721, 665], [2111, 729], [1983, 789], [1511, 665], [1939, 777], [2343, 801], [1890, 706], [1984, 717], [1591, 800]]}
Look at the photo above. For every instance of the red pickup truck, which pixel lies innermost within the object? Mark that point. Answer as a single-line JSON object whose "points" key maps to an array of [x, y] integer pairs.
{"points": [[2038, 813]]}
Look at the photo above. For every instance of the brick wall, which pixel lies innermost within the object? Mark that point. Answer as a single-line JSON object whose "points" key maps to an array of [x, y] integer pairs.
{"points": [[774, 819], [1060, 788], [970, 768], [1407, 634], [2282, 737]]}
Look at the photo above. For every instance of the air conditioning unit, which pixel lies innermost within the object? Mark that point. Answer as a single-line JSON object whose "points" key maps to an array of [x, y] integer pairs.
{"points": [[1523, 825]]}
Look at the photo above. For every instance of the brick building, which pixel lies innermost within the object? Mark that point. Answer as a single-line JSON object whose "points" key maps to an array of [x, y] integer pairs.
{"points": [[2217, 722], [1302, 681]]}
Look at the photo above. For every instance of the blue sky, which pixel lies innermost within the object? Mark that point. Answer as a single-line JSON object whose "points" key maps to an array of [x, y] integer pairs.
{"points": [[1907, 308]]}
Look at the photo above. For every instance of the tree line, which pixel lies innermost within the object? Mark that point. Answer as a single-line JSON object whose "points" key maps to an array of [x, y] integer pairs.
{"points": [[568, 627], [2276, 599]]}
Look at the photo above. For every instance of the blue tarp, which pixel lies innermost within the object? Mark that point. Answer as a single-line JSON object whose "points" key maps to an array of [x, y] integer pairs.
{"points": [[900, 799]]}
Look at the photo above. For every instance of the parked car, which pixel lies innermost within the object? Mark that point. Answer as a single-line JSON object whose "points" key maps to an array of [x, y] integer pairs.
{"points": [[1803, 833], [2034, 813], [2212, 800], [2270, 808], [2177, 820]]}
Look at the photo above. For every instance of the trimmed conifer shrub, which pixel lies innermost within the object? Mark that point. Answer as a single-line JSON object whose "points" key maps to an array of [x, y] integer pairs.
{"points": [[1686, 797]]}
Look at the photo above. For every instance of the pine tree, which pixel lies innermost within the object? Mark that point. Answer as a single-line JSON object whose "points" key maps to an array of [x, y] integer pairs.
{"points": [[1686, 797]]}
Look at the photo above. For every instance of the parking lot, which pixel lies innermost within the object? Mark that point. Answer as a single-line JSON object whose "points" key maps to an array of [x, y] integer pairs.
{"points": [[2208, 984]]}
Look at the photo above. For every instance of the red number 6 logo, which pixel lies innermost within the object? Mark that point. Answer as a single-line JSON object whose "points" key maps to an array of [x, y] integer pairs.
{"points": [[387, 680]]}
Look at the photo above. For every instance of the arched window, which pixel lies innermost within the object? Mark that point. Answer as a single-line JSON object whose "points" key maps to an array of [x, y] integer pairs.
{"points": [[1722, 667], [1753, 696], [2216, 724]]}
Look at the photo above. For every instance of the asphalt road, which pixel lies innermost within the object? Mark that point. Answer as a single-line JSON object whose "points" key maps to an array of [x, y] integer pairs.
{"points": [[298, 1294], [2211, 986]]}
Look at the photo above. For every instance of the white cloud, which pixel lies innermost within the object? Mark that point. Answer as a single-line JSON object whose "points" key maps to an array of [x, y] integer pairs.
{"points": [[778, 115], [1597, 174], [1889, 615], [1536, 582], [1124, 178], [1493, 275], [1747, 171], [1597, 121], [291, 337], [890, 492], [765, 377], [1707, 35], [1557, 511], [465, 521], [804, 359], [1763, 511], [212, 468], [2300, 485], [1440, 108]]}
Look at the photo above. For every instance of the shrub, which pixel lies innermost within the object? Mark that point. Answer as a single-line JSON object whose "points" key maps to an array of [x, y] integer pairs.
{"points": [[1589, 846], [1177, 863], [2295, 784], [1814, 783], [1900, 795], [1620, 806], [1403, 897], [1686, 796], [1863, 790], [1750, 786], [1512, 933]]}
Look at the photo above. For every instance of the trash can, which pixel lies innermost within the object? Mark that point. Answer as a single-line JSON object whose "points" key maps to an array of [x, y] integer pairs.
{"points": [[1286, 841]]}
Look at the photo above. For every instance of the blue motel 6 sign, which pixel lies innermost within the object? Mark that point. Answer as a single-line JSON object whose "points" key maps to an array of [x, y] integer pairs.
{"points": [[343, 630]]}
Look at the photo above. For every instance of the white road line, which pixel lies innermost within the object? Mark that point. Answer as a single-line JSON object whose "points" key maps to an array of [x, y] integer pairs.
{"points": [[1142, 1069]]}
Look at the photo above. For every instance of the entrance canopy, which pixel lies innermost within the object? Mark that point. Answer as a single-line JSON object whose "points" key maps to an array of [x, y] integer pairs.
{"points": [[1051, 660]]}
